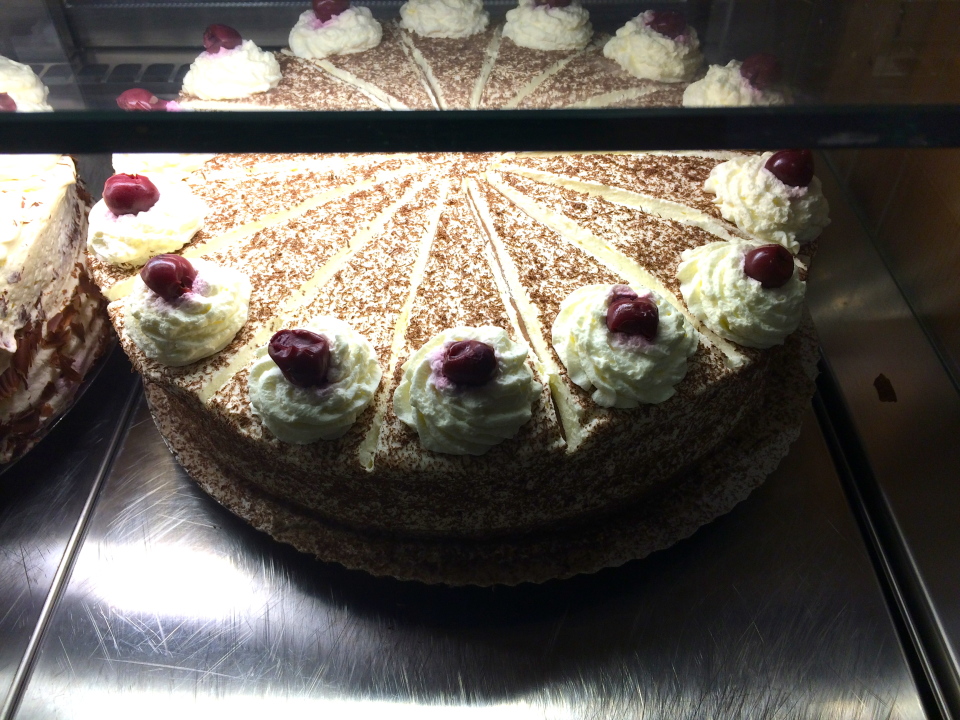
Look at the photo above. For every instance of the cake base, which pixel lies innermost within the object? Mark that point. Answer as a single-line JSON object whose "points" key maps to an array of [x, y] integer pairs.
{"points": [[703, 492]]}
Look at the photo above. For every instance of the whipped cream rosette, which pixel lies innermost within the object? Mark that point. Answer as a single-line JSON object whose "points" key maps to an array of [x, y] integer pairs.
{"points": [[757, 311], [725, 86], [178, 329], [454, 417], [757, 201], [322, 407], [131, 238], [23, 86], [622, 369], [648, 54], [231, 68], [444, 18], [351, 31], [543, 27]]}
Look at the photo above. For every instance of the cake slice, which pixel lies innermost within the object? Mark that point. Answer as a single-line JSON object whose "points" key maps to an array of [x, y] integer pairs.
{"points": [[53, 324], [453, 67], [516, 72], [385, 73], [591, 80]]}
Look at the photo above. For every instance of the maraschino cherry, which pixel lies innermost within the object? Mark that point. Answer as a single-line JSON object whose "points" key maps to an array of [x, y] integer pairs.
{"points": [[670, 23], [633, 315], [792, 167], [770, 265], [7, 103], [302, 356], [216, 37], [129, 194], [140, 99], [469, 362], [326, 9], [551, 3], [761, 70], [169, 276]]}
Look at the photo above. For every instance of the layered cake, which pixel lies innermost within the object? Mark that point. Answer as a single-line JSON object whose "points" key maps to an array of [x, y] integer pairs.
{"points": [[53, 323], [477, 368], [447, 55]]}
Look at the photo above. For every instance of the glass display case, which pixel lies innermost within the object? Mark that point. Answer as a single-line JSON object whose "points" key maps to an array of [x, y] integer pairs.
{"points": [[832, 591]]}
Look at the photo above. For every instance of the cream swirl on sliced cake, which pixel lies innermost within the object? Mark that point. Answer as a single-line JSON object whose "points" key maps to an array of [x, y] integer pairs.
{"points": [[178, 312], [231, 67], [444, 18], [311, 383], [549, 25], [774, 196], [755, 81], [23, 87], [334, 28], [624, 345], [466, 390], [136, 220], [656, 45], [746, 292]]}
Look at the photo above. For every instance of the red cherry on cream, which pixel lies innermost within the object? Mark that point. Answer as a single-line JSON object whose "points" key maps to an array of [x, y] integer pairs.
{"points": [[761, 70], [469, 362], [302, 356], [169, 276], [670, 23], [770, 265], [140, 99], [633, 316], [129, 194], [792, 167], [7, 103], [326, 9], [216, 37]]}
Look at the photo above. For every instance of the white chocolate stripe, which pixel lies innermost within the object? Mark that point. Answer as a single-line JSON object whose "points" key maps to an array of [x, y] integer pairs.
{"points": [[568, 410], [605, 99], [368, 447], [610, 257], [377, 96], [213, 245], [304, 295], [637, 201], [529, 88], [273, 167], [489, 60]]}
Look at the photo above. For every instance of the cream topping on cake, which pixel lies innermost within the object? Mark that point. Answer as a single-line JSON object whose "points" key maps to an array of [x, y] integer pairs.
{"points": [[460, 420], [645, 53], [732, 304], [621, 370], [135, 238], [751, 196], [27, 171], [444, 18], [541, 27], [171, 165], [352, 31], [232, 74], [304, 415], [724, 86], [198, 324], [22, 84]]}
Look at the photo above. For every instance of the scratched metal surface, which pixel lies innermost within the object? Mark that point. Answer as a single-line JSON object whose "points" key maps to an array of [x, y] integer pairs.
{"points": [[41, 501], [177, 609]]}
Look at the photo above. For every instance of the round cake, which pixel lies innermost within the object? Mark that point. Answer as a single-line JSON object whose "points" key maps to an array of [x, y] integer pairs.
{"points": [[418, 251]]}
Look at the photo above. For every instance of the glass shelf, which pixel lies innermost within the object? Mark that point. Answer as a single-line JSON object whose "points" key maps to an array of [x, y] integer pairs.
{"points": [[860, 74]]}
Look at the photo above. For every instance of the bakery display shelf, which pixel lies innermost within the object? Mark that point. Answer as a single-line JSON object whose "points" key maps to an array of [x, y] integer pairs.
{"points": [[175, 605]]}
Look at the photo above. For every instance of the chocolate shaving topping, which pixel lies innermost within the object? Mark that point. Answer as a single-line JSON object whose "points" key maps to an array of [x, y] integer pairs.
{"points": [[46, 410], [25, 423], [10, 383], [49, 390], [78, 330], [28, 339]]}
